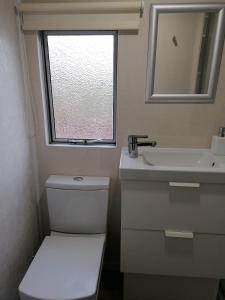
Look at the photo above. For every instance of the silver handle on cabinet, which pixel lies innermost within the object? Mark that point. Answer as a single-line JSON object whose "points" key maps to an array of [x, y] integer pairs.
{"points": [[185, 184], [179, 234]]}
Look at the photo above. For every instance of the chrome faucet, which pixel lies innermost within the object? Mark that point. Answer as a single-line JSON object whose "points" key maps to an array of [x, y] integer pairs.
{"points": [[221, 132], [133, 144]]}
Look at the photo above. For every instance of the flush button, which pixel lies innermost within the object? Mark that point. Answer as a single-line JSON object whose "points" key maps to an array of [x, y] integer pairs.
{"points": [[78, 178]]}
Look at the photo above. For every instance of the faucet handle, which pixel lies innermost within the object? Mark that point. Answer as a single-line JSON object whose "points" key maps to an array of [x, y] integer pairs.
{"points": [[132, 138]]}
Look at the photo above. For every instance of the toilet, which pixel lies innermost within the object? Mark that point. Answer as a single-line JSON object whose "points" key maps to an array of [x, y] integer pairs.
{"points": [[68, 263]]}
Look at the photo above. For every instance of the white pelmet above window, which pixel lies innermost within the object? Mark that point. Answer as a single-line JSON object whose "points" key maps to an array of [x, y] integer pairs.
{"points": [[81, 15]]}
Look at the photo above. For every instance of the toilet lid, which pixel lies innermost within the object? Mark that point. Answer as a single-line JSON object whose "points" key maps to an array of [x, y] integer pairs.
{"points": [[65, 267]]}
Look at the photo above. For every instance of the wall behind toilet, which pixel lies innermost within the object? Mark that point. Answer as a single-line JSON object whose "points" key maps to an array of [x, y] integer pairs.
{"points": [[18, 217], [172, 125]]}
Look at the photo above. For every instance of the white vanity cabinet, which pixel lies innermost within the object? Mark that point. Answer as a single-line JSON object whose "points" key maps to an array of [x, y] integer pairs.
{"points": [[173, 228], [173, 224]]}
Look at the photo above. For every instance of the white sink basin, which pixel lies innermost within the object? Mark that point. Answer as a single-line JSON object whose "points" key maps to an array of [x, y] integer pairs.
{"points": [[190, 165], [177, 158]]}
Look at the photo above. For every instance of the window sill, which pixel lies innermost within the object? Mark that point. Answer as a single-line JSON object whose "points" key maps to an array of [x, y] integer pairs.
{"points": [[55, 145]]}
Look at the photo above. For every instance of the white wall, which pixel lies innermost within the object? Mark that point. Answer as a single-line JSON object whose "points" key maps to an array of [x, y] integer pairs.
{"points": [[172, 125], [18, 217]]}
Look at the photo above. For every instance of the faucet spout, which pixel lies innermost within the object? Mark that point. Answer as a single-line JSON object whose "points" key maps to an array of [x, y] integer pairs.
{"points": [[150, 143]]}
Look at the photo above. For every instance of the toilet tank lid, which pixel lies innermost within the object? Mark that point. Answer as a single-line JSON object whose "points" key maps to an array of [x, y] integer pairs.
{"points": [[78, 182]]}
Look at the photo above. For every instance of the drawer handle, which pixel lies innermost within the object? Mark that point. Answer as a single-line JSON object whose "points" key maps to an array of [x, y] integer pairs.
{"points": [[179, 234], [185, 184]]}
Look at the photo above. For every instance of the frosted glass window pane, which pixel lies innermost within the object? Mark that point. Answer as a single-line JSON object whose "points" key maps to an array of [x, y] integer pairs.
{"points": [[81, 69]]}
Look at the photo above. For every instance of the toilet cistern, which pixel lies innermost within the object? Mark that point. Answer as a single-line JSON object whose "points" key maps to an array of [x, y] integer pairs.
{"points": [[133, 144]]}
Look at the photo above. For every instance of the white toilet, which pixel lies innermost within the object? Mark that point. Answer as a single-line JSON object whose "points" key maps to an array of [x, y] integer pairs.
{"points": [[68, 264]]}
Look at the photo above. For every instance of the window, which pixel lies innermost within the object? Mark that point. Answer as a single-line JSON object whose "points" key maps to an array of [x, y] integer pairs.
{"points": [[81, 70]]}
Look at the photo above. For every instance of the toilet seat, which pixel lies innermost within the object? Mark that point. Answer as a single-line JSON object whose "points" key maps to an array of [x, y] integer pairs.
{"points": [[66, 267]]}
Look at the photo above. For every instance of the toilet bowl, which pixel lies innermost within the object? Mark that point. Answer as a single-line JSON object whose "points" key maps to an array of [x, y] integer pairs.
{"points": [[68, 263]]}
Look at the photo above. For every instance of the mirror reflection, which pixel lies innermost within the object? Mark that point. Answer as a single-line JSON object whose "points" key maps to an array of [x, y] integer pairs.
{"points": [[184, 51]]}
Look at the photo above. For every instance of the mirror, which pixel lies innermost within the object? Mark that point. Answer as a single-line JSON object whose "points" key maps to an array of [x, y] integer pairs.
{"points": [[185, 49]]}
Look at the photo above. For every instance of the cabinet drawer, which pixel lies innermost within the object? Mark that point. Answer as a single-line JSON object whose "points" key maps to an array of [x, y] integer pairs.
{"points": [[150, 252], [157, 205]]}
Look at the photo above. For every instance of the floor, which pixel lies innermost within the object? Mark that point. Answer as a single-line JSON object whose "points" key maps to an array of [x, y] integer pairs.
{"points": [[111, 286]]}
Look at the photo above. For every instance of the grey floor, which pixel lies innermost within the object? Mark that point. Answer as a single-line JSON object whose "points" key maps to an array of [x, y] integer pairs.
{"points": [[111, 286]]}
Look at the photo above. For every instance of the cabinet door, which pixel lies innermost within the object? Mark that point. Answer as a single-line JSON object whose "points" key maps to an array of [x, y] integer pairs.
{"points": [[151, 252], [160, 206]]}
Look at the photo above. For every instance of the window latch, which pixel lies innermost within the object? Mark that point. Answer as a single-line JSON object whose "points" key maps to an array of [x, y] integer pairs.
{"points": [[83, 141], [77, 142]]}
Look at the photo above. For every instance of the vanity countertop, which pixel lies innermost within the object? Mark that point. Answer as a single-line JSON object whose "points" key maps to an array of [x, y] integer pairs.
{"points": [[173, 164]]}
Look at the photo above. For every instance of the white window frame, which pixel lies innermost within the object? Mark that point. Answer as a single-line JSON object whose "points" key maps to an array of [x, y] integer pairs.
{"points": [[49, 98]]}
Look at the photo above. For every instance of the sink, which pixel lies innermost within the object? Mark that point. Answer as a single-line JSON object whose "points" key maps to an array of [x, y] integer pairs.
{"points": [[178, 164], [180, 158]]}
